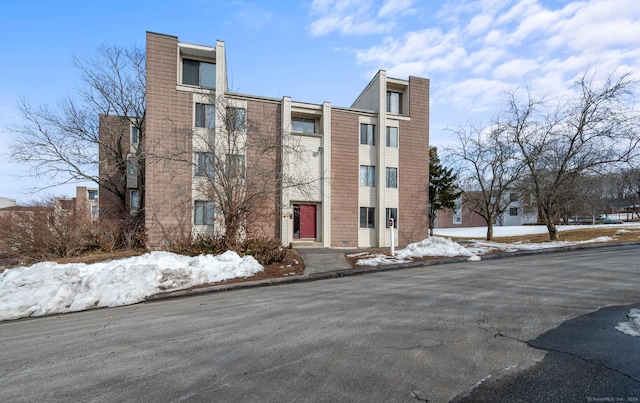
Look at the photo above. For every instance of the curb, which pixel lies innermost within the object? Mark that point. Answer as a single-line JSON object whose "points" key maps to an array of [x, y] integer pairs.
{"points": [[368, 270]]}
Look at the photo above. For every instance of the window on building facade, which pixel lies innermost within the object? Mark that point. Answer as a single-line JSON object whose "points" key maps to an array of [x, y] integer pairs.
{"points": [[391, 213], [392, 178], [513, 196], [367, 134], [132, 166], [394, 102], [513, 211], [234, 167], [367, 217], [392, 137], [206, 116], [203, 212], [135, 135], [94, 212], [201, 74], [367, 175], [134, 200], [205, 164], [92, 194], [303, 125], [236, 120]]}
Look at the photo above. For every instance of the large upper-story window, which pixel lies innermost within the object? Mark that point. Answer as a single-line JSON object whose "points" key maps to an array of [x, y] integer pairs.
{"points": [[201, 74], [303, 125], [206, 116], [394, 102]]}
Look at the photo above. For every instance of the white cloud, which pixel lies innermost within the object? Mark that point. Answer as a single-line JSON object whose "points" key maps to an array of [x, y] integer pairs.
{"points": [[392, 8], [473, 51], [356, 17]]}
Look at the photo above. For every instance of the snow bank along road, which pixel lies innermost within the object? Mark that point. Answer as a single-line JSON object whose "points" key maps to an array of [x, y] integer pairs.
{"points": [[427, 333]]}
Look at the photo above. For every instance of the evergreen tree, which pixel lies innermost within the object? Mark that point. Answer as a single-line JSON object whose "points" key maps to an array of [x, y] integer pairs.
{"points": [[443, 190]]}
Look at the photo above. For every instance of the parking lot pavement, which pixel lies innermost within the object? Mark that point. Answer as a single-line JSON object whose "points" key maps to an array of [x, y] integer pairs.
{"points": [[586, 360]]}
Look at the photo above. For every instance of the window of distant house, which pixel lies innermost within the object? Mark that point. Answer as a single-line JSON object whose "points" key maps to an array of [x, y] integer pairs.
{"points": [[394, 102], [201, 74], [205, 164], [93, 194], [391, 213], [367, 134], [135, 135], [367, 175], [134, 199], [367, 217], [234, 166], [513, 211], [392, 178], [392, 137], [203, 212], [206, 116], [236, 120], [302, 125], [513, 196], [94, 211]]}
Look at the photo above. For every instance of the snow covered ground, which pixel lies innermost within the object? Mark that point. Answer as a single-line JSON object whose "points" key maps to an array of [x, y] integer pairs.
{"points": [[48, 288]]}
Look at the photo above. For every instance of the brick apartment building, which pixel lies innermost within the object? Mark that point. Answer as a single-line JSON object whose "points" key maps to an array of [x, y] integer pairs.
{"points": [[364, 164]]}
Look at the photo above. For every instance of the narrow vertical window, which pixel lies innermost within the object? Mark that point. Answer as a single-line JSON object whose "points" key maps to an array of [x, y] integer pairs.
{"points": [[392, 137], [367, 175], [367, 217], [235, 166], [367, 134], [394, 102], [134, 200], [206, 116], [392, 178], [203, 213], [135, 135], [205, 164], [236, 120], [392, 213]]}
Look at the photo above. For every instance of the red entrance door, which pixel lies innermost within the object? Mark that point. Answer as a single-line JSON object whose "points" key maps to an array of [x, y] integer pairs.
{"points": [[307, 221]]}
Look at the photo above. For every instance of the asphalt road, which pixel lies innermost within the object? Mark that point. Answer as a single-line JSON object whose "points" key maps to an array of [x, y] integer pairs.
{"points": [[432, 333]]}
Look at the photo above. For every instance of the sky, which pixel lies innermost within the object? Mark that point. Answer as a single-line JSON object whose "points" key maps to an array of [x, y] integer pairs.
{"points": [[325, 50], [49, 288]]}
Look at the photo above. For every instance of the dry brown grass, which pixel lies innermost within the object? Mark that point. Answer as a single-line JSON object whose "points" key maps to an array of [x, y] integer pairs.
{"points": [[619, 234]]}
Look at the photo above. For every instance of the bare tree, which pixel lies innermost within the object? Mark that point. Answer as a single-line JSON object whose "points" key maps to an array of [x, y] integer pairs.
{"points": [[488, 170], [559, 144], [64, 143]]}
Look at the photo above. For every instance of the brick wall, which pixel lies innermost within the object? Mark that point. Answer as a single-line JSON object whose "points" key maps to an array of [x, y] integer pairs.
{"points": [[344, 179], [414, 165], [114, 135], [263, 164], [169, 145]]}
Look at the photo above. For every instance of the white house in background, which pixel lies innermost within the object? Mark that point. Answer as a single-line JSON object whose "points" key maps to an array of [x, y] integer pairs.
{"points": [[521, 211], [6, 202]]}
